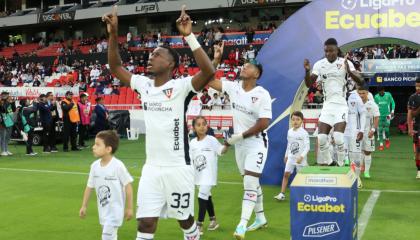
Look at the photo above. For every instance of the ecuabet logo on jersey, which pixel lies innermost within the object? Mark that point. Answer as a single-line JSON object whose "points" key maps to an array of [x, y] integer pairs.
{"points": [[168, 92], [254, 99]]}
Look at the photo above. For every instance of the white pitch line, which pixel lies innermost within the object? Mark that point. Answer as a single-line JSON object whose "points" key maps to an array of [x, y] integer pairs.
{"points": [[367, 212], [222, 182], [80, 173]]}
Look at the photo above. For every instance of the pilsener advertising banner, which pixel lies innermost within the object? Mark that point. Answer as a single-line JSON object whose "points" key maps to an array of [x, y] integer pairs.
{"points": [[323, 204]]}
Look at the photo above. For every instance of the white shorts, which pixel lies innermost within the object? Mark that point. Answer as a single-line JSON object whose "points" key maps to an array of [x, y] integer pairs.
{"points": [[250, 158], [368, 144], [109, 233], [204, 191], [166, 192], [351, 145], [333, 113], [291, 165]]}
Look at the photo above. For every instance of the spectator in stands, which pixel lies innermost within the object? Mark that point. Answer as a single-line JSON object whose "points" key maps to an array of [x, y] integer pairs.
{"points": [[218, 34], [216, 101], [250, 54], [115, 90], [36, 82], [46, 108], [185, 73], [99, 88], [107, 90], [318, 98], [85, 114], [102, 114], [226, 99], [250, 35], [70, 119], [231, 75], [205, 98], [14, 81]]}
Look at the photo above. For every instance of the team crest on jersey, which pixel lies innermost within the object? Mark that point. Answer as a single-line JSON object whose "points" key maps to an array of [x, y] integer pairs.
{"points": [[353, 103], [168, 92], [339, 66], [254, 99]]}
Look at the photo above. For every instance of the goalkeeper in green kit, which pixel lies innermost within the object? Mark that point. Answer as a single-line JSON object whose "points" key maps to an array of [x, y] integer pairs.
{"points": [[386, 105]]}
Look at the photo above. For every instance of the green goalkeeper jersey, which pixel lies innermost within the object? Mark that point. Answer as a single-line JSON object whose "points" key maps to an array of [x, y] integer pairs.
{"points": [[385, 103]]}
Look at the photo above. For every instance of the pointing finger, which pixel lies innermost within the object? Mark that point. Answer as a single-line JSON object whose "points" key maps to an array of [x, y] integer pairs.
{"points": [[184, 7]]}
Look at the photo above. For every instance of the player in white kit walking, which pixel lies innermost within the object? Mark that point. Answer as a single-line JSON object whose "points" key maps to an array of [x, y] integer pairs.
{"points": [[372, 122], [331, 72], [251, 110], [166, 187], [353, 135]]}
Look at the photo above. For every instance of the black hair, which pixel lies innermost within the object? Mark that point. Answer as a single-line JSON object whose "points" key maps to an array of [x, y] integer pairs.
{"points": [[331, 41], [364, 87], [381, 88], [418, 80], [297, 114], [83, 95], [260, 69], [174, 55], [22, 102]]}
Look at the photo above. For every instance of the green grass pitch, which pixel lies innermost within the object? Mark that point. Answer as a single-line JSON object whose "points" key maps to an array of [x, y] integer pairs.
{"points": [[41, 205]]}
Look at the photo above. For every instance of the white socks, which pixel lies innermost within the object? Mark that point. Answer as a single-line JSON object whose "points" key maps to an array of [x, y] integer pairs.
{"points": [[144, 236], [193, 233]]}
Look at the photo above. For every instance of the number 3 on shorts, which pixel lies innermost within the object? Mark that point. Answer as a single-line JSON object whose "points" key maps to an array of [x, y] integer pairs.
{"points": [[178, 198], [260, 158]]}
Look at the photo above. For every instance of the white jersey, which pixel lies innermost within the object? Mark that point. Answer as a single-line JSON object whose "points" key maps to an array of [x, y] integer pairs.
{"points": [[297, 144], [204, 155], [109, 182], [372, 111], [332, 77], [247, 108], [357, 115], [370, 97], [164, 114]]}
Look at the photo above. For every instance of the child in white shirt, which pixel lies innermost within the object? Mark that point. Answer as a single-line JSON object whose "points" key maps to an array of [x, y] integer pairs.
{"points": [[204, 150], [112, 183], [298, 146]]}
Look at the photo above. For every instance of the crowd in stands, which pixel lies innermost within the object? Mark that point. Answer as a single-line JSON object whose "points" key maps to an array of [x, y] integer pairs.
{"points": [[383, 52]]}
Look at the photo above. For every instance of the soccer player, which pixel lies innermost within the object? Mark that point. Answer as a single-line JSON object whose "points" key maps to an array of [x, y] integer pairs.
{"points": [[331, 72], [298, 146], [353, 134], [204, 150], [112, 183], [372, 120], [251, 110], [386, 105], [166, 187], [413, 121]]}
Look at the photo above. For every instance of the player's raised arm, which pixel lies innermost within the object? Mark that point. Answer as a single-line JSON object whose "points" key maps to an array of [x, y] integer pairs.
{"points": [[114, 58], [218, 53], [351, 71], [202, 78], [309, 78]]}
